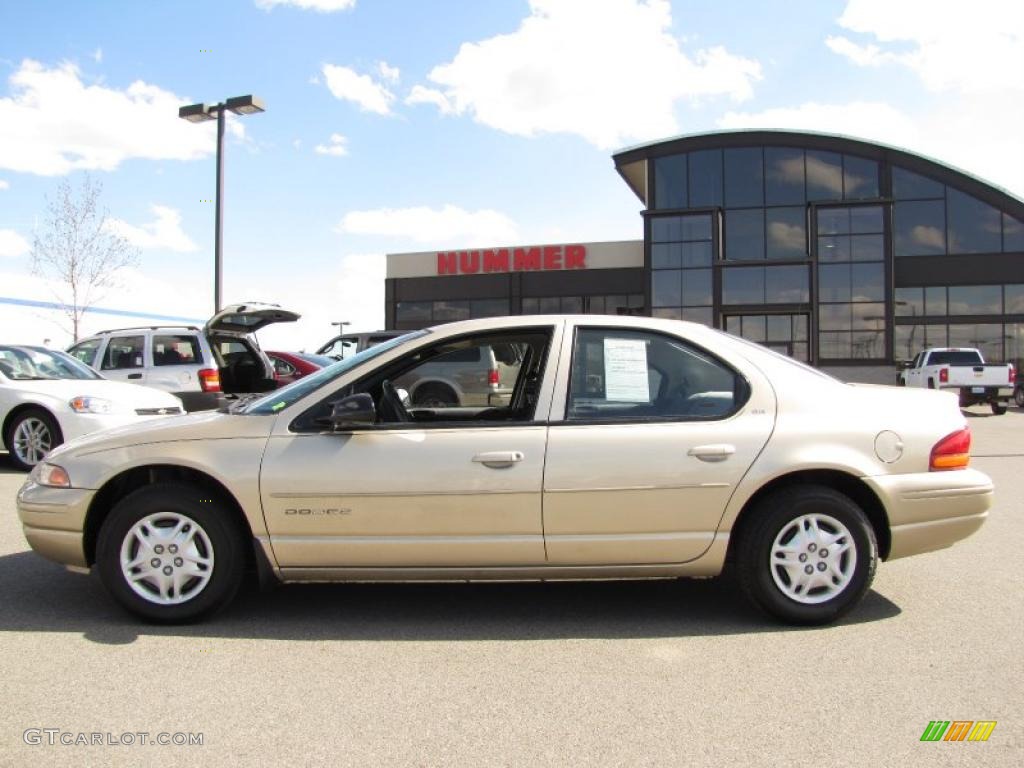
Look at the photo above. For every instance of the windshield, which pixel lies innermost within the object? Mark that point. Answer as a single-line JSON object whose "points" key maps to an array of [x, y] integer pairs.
{"points": [[282, 398], [36, 364]]}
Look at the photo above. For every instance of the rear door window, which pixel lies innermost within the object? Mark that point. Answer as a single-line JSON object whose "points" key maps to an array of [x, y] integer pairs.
{"points": [[176, 349], [124, 352]]}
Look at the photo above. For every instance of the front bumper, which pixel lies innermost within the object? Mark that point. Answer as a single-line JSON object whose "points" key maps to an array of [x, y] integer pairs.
{"points": [[53, 520], [932, 510]]}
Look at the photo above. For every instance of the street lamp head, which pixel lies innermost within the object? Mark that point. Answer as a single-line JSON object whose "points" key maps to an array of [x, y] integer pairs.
{"points": [[196, 113], [245, 105]]}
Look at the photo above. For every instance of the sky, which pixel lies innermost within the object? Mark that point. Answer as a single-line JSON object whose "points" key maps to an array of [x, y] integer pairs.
{"points": [[402, 125]]}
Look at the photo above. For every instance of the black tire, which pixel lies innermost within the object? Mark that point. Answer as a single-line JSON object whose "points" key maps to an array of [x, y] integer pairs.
{"points": [[998, 409], [435, 396], [54, 435], [1018, 397], [770, 519], [931, 383], [224, 539]]}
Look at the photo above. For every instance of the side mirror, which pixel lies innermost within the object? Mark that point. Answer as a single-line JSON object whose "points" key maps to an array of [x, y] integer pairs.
{"points": [[353, 412]]}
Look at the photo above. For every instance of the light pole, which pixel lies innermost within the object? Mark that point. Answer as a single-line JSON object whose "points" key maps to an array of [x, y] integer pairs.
{"points": [[341, 325], [200, 113]]}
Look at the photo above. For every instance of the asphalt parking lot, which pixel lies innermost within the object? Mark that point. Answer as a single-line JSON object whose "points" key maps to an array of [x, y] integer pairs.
{"points": [[637, 673]]}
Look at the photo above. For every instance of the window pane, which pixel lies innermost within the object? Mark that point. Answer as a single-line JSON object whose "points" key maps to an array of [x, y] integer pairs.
{"points": [[868, 282], [787, 236], [975, 300], [550, 305], [636, 301], [666, 288], [572, 305], [834, 248], [833, 221], [696, 227], [744, 177], [867, 247], [668, 313], [909, 302], [824, 176], [988, 338], [670, 182], [123, 352], [413, 311], [706, 178], [835, 317], [907, 185], [860, 177], [530, 306], [1013, 234], [1014, 344], [834, 346], [974, 227], [698, 315], [666, 229], [489, 307], [800, 351], [743, 286], [176, 350], [784, 176], [780, 328], [907, 341], [595, 305], [867, 345], [744, 235], [666, 255], [696, 254], [920, 228], [755, 328], [865, 219], [935, 336], [1014, 299], [616, 305], [733, 325], [800, 327], [935, 300], [868, 316], [450, 311], [834, 282], [786, 285], [696, 287]]}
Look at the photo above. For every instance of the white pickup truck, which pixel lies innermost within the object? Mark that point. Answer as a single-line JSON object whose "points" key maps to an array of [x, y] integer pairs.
{"points": [[962, 369]]}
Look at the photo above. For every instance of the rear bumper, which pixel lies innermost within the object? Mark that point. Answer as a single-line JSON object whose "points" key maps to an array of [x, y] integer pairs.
{"points": [[932, 510]]}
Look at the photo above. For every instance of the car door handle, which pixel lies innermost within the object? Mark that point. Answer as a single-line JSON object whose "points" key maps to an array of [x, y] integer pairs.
{"points": [[498, 459], [134, 375], [717, 452]]}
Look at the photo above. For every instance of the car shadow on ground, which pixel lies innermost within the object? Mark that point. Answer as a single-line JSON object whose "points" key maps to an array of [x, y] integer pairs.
{"points": [[6, 467], [39, 596]]}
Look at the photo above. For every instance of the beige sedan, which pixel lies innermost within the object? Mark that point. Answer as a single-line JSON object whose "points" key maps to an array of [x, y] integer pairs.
{"points": [[630, 448]]}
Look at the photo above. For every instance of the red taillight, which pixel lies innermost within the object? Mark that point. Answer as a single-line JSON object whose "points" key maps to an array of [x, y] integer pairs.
{"points": [[944, 375], [951, 452], [1013, 375], [492, 378], [209, 380]]}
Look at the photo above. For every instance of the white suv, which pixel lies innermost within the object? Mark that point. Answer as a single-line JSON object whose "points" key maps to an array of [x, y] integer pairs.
{"points": [[199, 365]]}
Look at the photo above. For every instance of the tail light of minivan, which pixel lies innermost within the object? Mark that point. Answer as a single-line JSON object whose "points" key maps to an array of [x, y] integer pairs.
{"points": [[493, 379], [944, 375], [1013, 375], [951, 452], [209, 380]]}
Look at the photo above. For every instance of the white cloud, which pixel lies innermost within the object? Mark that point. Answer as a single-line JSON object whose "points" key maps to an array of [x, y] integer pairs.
{"points": [[420, 94], [338, 146], [437, 227], [951, 45], [608, 71], [164, 233], [388, 72], [12, 244], [348, 85], [54, 123], [323, 6], [4, 184]]}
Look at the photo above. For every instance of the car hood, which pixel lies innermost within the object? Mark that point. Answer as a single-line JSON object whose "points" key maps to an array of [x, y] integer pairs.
{"points": [[205, 425], [125, 397]]}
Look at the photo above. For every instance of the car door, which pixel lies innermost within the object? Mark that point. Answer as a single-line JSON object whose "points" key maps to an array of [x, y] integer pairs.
{"points": [[125, 358], [458, 486], [650, 434]]}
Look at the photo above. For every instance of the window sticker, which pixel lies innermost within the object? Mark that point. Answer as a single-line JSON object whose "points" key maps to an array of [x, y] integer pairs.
{"points": [[625, 371]]}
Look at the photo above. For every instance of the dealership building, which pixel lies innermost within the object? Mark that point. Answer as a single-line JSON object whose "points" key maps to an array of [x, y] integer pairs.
{"points": [[846, 254]]}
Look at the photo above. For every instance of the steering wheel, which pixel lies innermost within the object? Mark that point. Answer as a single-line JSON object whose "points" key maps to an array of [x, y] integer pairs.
{"points": [[390, 397]]}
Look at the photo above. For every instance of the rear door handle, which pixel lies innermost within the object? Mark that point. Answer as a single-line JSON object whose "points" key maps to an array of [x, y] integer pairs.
{"points": [[134, 375], [716, 452], [498, 459]]}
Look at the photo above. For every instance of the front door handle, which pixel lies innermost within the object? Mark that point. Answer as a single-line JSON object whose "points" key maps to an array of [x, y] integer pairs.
{"points": [[716, 452], [134, 375], [498, 459]]}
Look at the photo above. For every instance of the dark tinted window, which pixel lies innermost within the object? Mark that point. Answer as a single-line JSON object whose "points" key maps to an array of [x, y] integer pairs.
{"points": [[413, 311], [1013, 234], [744, 177], [696, 287], [705, 178], [489, 307], [666, 288], [954, 357], [975, 299], [123, 352], [824, 176], [784, 176], [909, 302], [1014, 299], [935, 300], [860, 178], [743, 285], [920, 228], [786, 285], [176, 350], [907, 185], [987, 337], [744, 235], [867, 282], [973, 226], [786, 233], [670, 182]]}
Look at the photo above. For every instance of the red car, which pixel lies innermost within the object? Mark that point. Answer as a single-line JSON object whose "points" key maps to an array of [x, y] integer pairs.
{"points": [[290, 366]]}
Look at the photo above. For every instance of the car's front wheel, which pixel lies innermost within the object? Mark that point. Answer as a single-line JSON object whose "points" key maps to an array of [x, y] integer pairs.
{"points": [[30, 436], [171, 553], [807, 554]]}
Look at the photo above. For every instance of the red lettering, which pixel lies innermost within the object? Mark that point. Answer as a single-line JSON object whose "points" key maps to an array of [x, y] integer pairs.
{"points": [[552, 257], [496, 261], [526, 259], [446, 264], [575, 257], [469, 262]]}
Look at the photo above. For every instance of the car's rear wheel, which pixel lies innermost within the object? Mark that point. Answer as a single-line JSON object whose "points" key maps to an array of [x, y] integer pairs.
{"points": [[998, 409], [171, 553], [30, 436], [1018, 397], [807, 554]]}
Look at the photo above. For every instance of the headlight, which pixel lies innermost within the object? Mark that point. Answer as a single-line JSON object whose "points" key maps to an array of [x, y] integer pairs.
{"points": [[91, 405], [51, 475]]}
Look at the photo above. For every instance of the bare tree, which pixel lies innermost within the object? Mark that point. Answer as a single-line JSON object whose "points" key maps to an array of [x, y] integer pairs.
{"points": [[77, 251]]}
